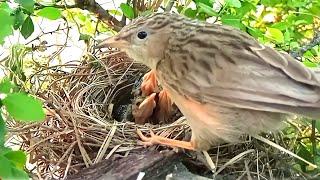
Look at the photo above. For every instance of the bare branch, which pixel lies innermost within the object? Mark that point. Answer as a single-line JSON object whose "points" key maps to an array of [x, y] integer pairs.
{"points": [[103, 15], [300, 51]]}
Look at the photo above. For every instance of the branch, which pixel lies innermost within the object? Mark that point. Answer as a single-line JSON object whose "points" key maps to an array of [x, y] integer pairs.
{"points": [[300, 51], [103, 15], [40, 6]]}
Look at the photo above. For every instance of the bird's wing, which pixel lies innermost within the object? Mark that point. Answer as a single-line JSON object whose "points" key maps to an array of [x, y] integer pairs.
{"points": [[238, 72]]}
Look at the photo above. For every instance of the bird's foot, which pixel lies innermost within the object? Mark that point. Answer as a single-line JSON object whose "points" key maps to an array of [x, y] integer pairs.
{"points": [[155, 139]]}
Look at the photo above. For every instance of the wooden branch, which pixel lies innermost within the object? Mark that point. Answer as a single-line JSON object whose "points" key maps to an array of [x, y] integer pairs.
{"points": [[300, 51], [152, 163], [103, 15]]}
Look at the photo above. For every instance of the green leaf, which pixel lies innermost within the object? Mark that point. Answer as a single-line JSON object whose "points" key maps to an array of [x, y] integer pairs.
{"points": [[23, 107], [5, 170], [6, 21], [233, 3], [280, 25], [275, 34], [315, 9], [190, 13], [206, 2], [19, 174], [4, 6], [304, 152], [297, 3], [256, 33], [18, 158], [3, 131], [270, 2], [6, 86], [26, 4], [84, 37], [294, 45], [303, 19], [127, 10], [287, 35], [115, 12], [5, 31], [51, 13], [19, 18], [312, 65], [245, 8], [232, 21], [206, 9], [27, 27]]}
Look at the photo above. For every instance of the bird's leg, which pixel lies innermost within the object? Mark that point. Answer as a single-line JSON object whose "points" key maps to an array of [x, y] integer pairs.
{"points": [[149, 83], [154, 139]]}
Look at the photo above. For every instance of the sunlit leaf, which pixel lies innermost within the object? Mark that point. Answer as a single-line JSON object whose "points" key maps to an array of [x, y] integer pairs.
{"points": [[6, 21], [280, 25], [312, 65], [23, 107], [115, 12], [4, 6], [275, 34], [294, 45], [5, 86], [27, 27], [255, 32], [303, 19], [127, 10], [51, 13], [297, 3], [18, 158], [190, 13], [206, 2], [233, 3], [287, 35], [206, 9], [245, 8], [270, 2], [315, 9], [26, 4], [232, 21]]}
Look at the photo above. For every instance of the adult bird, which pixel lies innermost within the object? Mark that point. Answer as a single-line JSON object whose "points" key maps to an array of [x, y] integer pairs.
{"points": [[224, 82]]}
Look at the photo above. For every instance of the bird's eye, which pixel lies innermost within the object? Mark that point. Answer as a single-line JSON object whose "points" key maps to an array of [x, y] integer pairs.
{"points": [[142, 35]]}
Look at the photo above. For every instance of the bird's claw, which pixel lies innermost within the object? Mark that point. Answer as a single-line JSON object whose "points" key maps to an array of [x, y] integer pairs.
{"points": [[147, 141]]}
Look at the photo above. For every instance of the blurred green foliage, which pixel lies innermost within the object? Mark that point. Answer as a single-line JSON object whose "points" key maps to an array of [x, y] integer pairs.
{"points": [[23, 108]]}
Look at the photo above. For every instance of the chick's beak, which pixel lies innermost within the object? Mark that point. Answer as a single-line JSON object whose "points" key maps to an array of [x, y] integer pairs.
{"points": [[114, 41]]}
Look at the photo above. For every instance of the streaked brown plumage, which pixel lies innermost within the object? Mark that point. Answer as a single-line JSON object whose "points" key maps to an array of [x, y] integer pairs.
{"points": [[223, 80]]}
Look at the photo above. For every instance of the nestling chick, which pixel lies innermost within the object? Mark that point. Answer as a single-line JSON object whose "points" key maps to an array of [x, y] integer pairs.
{"points": [[223, 81]]}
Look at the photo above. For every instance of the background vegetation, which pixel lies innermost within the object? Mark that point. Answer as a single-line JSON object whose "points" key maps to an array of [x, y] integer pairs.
{"points": [[288, 25]]}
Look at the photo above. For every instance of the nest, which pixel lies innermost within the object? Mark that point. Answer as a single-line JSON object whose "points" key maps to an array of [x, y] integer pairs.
{"points": [[89, 119]]}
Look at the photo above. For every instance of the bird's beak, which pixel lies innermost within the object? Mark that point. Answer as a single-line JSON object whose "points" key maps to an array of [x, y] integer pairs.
{"points": [[114, 41]]}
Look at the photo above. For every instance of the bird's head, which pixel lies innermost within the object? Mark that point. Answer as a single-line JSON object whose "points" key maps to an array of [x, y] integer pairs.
{"points": [[144, 39]]}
